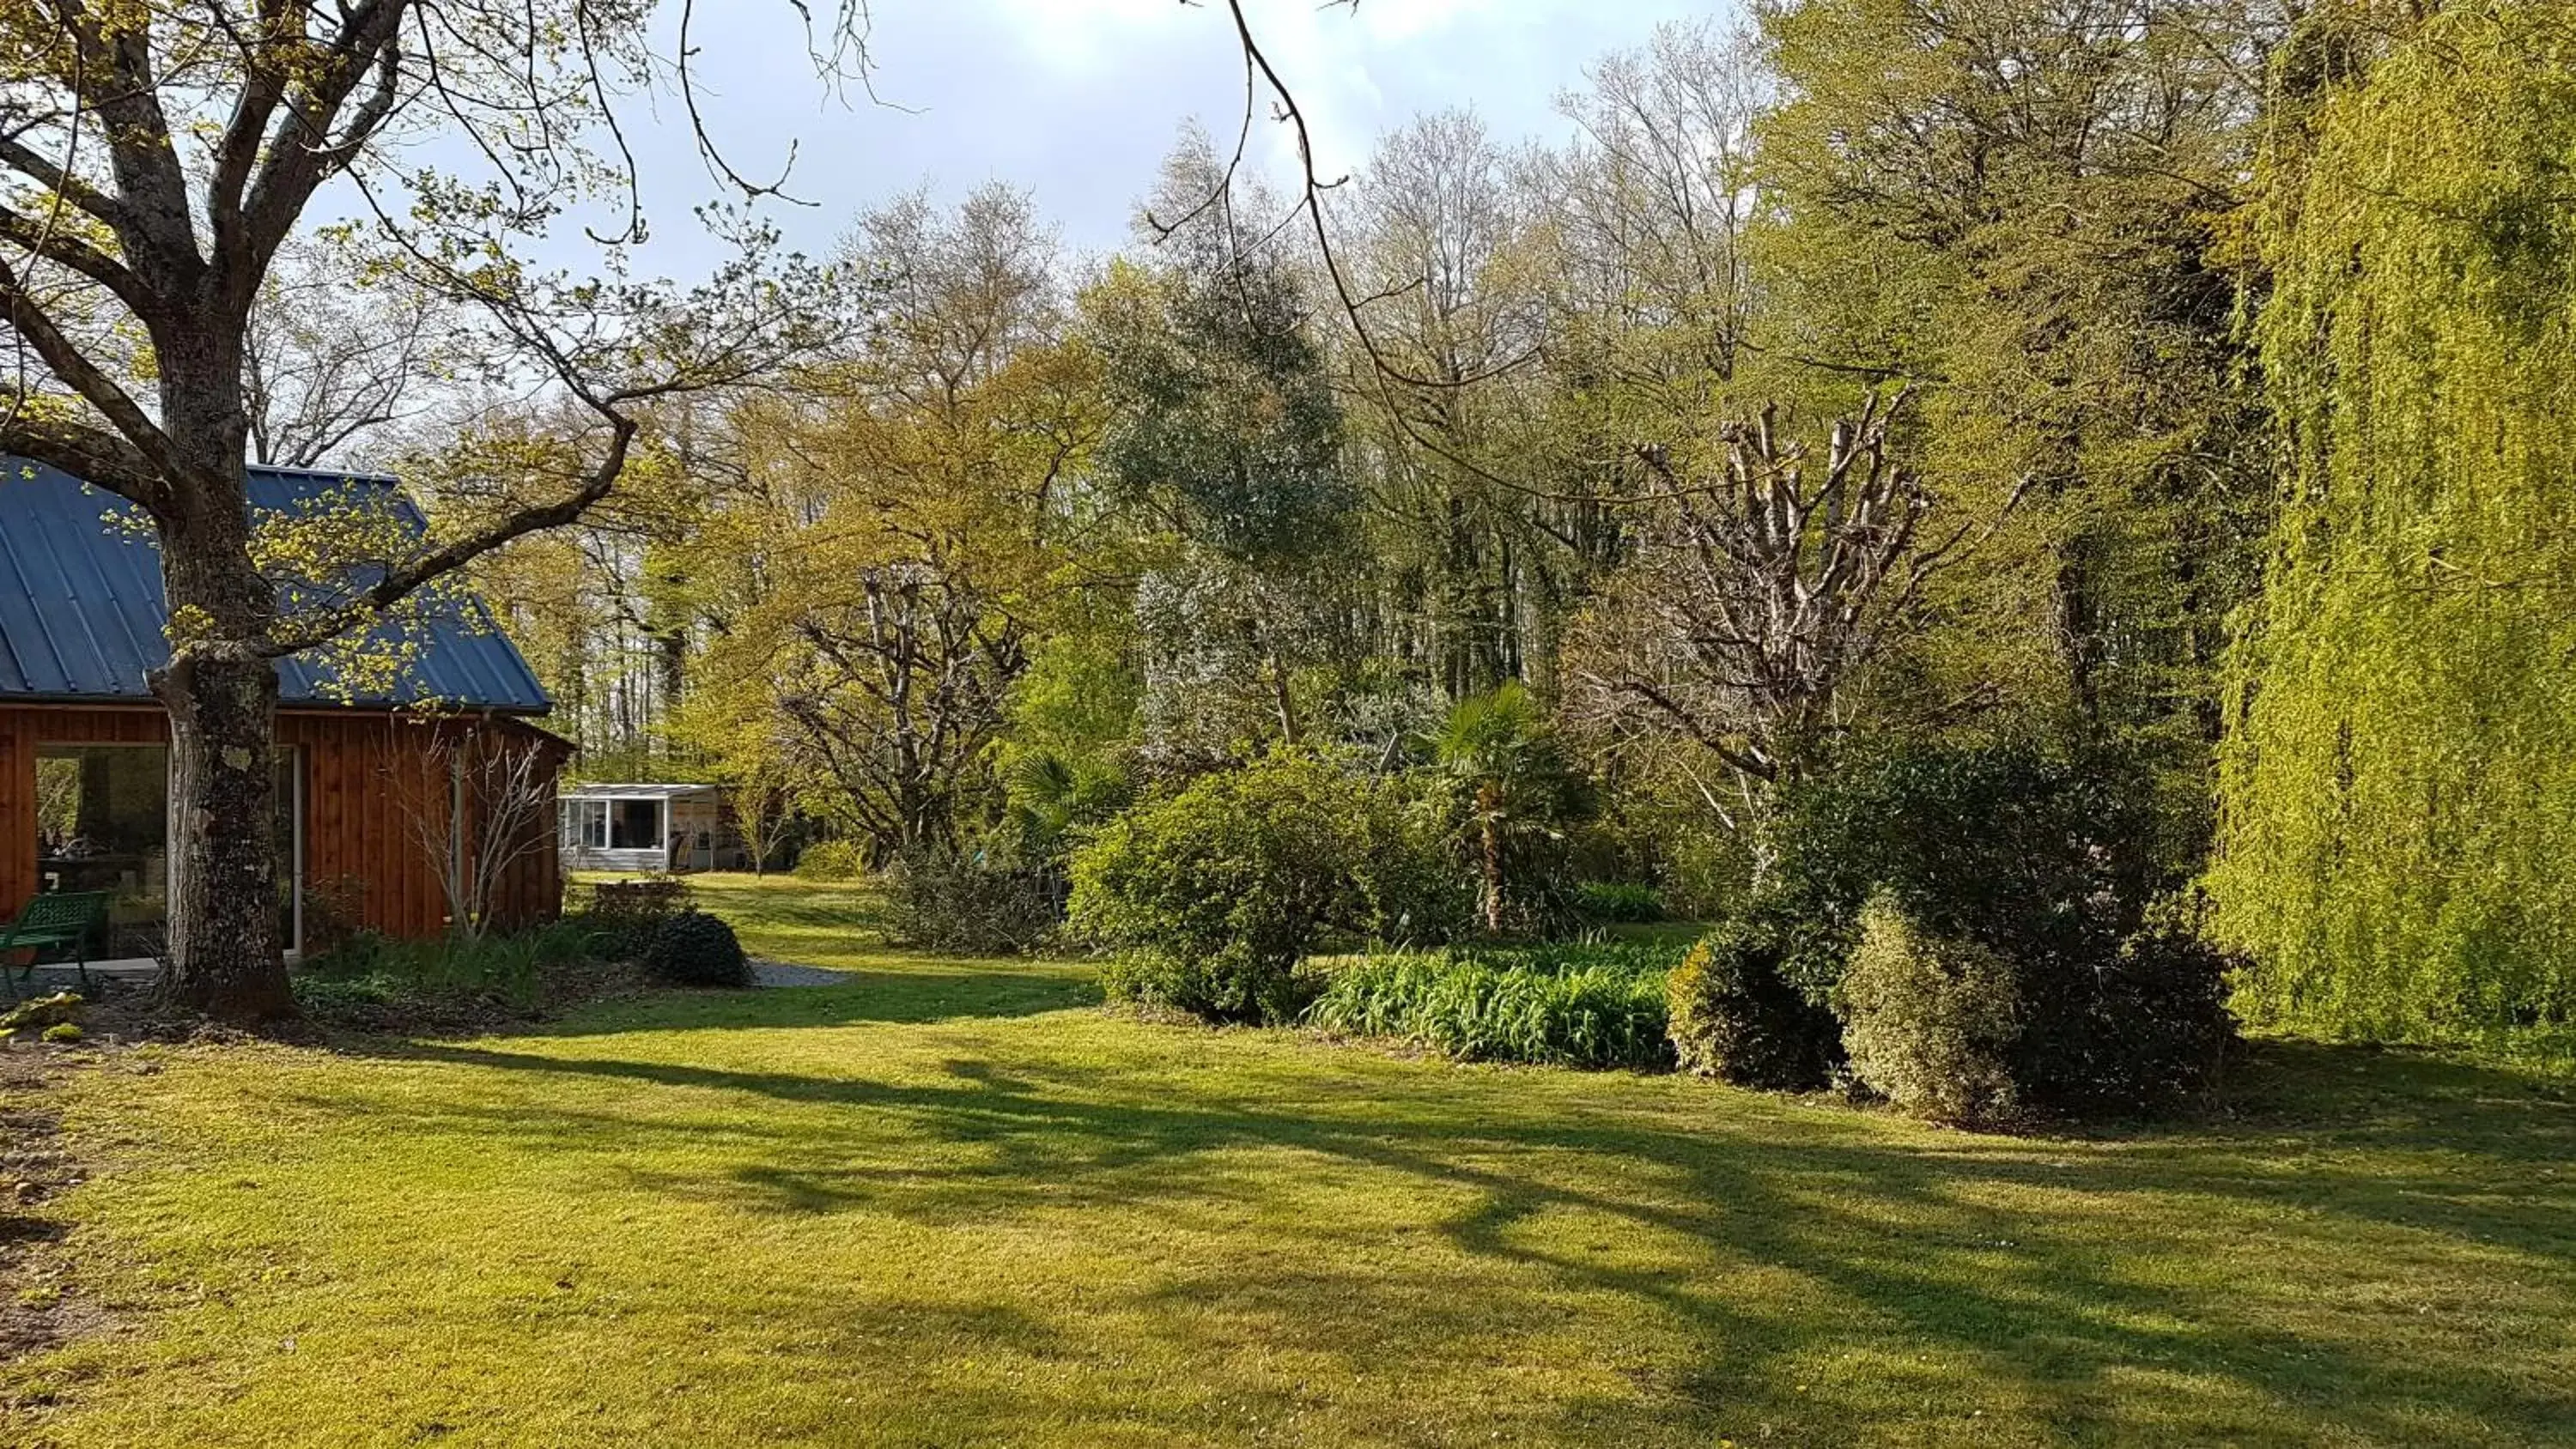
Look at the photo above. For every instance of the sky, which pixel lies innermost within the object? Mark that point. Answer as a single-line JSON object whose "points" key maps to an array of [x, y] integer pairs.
{"points": [[1078, 101]]}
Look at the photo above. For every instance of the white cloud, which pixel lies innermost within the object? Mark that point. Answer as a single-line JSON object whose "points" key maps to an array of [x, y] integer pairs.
{"points": [[1078, 100]]}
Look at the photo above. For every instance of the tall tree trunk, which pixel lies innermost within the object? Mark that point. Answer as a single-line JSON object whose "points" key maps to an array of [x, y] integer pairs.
{"points": [[226, 958], [226, 955]]}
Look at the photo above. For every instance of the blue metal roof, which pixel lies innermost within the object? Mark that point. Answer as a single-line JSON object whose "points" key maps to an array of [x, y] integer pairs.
{"points": [[82, 615]]}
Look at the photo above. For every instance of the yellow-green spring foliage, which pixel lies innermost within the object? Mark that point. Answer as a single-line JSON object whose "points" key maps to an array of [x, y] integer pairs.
{"points": [[1930, 1020], [2399, 841]]}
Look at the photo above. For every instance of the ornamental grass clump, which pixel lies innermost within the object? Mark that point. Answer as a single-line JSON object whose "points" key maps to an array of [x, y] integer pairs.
{"points": [[1573, 1006]]}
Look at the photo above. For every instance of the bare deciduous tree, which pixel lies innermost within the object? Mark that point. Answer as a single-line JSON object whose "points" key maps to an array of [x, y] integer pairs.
{"points": [[329, 363], [486, 810], [1762, 590]]}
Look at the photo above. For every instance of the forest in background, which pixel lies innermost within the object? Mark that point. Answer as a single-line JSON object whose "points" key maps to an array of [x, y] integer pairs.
{"points": [[2166, 389]]}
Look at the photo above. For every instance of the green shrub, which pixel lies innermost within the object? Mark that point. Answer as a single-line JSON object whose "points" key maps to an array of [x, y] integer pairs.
{"points": [[697, 949], [1930, 1021], [2036, 854], [970, 902], [346, 999], [2147, 1031], [1735, 1017], [831, 861], [625, 915], [1213, 896], [2052, 864], [1553, 1006], [64, 1033], [1618, 902], [1225, 985], [1412, 883]]}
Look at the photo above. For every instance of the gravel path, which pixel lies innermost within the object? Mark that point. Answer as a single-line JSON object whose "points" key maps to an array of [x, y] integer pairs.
{"points": [[788, 973]]}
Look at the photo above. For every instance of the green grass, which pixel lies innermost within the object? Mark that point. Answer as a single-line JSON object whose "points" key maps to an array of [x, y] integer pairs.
{"points": [[952, 1203]]}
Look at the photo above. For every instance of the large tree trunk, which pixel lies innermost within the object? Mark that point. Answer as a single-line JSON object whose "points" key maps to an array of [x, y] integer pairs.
{"points": [[226, 956]]}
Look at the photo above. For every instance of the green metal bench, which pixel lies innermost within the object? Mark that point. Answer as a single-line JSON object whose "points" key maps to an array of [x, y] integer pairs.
{"points": [[62, 921]]}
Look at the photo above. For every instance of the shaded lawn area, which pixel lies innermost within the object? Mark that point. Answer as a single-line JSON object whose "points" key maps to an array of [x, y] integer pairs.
{"points": [[953, 1203]]}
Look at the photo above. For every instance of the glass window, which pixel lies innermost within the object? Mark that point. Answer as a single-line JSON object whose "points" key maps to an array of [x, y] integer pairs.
{"points": [[635, 825], [585, 824], [103, 824]]}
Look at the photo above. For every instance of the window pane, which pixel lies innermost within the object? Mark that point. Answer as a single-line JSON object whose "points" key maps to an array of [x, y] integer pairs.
{"points": [[102, 824]]}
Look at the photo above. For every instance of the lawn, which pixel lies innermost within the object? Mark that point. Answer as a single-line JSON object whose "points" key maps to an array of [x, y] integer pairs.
{"points": [[955, 1203]]}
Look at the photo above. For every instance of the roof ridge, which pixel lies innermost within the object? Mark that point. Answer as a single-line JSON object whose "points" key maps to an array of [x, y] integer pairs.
{"points": [[351, 475]]}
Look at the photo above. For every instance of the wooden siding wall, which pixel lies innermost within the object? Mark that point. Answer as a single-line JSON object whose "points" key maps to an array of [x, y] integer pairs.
{"points": [[364, 777]]}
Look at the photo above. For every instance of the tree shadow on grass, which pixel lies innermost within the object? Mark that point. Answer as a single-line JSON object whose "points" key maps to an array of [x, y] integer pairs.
{"points": [[858, 997], [2059, 1273]]}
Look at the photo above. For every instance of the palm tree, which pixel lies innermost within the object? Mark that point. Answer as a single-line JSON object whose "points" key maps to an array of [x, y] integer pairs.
{"points": [[1498, 748]]}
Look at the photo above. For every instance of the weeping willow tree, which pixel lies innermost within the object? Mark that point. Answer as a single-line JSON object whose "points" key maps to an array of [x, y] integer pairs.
{"points": [[2400, 788]]}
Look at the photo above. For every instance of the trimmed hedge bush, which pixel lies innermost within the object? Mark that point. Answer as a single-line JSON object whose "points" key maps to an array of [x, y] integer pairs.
{"points": [[1930, 1021], [1574, 1006], [2051, 864], [697, 949], [1735, 1017], [1211, 898], [625, 915]]}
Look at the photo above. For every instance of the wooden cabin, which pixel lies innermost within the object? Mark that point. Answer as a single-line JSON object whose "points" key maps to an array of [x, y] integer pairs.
{"points": [[377, 791], [646, 829]]}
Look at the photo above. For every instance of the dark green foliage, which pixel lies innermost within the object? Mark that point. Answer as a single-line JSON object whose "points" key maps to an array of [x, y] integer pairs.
{"points": [[1225, 416], [697, 949], [2148, 1032], [1930, 1021], [2050, 862], [624, 916], [974, 902], [2042, 855], [1213, 896], [1734, 1017], [1614, 903], [1573, 1006]]}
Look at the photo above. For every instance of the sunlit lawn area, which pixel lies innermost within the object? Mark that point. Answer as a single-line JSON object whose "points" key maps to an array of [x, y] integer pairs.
{"points": [[954, 1203]]}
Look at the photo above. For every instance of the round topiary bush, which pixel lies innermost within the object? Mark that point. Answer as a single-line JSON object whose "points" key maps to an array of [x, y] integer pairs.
{"points": [[1734, 1017], [1930, 1021], [697, 949]]}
